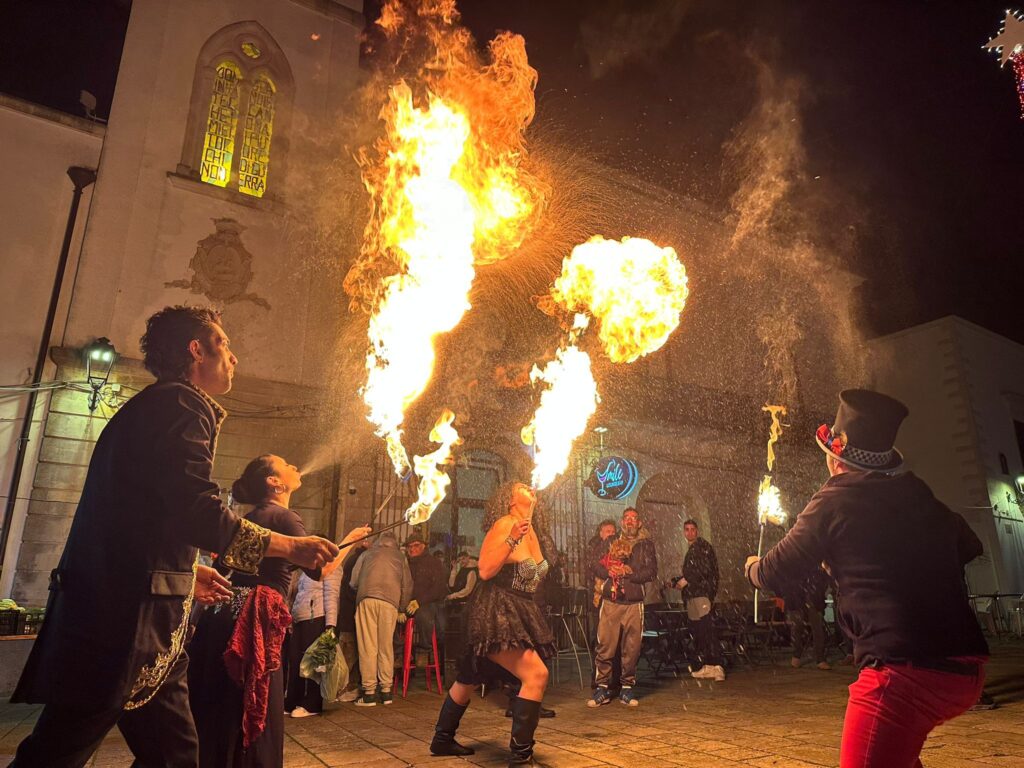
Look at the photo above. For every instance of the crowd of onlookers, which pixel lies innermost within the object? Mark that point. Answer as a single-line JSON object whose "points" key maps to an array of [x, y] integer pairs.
{"points": [[382, 584]]}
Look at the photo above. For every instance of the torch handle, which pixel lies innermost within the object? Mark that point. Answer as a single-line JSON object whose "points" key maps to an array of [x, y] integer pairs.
{"points": [[760, 547], [374, 533]]}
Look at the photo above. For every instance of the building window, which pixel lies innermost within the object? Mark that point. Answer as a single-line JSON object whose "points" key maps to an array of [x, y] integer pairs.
{"points": [[221, 126], [259, 126], [240, 112], [1004, 466]]}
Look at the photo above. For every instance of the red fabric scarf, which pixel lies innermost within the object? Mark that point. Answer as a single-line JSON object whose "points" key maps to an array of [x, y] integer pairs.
{"points": [[254, 652]]}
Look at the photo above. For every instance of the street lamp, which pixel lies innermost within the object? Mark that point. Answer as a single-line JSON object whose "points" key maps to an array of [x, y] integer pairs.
{"points": [[100, 357]]}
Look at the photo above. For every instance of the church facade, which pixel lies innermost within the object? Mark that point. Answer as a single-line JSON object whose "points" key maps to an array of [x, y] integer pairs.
{"points": [[194, 180]]}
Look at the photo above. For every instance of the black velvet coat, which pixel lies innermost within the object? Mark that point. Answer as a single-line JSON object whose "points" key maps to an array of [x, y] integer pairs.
{"points": [[118, 596]]}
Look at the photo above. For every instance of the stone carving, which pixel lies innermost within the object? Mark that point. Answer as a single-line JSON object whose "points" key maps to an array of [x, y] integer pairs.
{"points": [[222, 267]]}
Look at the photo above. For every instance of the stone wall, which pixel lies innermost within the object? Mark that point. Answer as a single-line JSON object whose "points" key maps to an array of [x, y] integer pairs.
{"points": [[263, 417]]}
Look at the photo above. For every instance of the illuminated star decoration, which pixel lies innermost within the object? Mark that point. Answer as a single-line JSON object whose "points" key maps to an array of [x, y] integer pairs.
{"points": [[1010, 42]]}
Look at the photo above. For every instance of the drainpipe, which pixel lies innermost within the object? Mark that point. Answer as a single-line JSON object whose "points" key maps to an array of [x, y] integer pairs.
{"points": [[81, 178]]}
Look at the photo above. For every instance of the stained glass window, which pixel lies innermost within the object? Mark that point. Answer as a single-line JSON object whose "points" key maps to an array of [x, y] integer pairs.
{"points": [[259, 125], [221, 124]]}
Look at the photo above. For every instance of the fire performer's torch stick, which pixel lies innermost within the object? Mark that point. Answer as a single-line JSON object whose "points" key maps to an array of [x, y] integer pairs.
{"points": [[760, 547], [373, 518]]}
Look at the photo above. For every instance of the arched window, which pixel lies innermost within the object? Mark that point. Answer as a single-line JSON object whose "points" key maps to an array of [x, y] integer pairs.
{"points": [[236, 136], [259, 127], [221, 126]]}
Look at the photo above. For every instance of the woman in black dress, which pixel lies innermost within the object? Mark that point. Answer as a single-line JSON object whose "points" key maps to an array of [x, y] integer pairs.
{"points": [[254, 620], [505, 625]]}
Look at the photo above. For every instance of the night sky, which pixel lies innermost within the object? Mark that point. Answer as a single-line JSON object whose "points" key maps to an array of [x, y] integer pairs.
{"points": [[909, 137]]}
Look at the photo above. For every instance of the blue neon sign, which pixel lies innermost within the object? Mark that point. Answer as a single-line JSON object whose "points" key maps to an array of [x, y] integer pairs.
{"points": [[613, 478]]}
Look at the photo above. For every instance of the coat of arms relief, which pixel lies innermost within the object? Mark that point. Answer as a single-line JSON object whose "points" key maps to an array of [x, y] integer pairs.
{"points": [[222, 267]]}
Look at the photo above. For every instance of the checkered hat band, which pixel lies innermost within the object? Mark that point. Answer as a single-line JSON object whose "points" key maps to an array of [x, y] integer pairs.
{"points": [[867, 458]]}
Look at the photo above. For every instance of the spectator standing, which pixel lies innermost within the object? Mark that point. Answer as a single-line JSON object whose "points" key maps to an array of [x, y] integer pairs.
{"points": [[897, 554], [347, 644], [805, 598], [314, 609], [699, 584], [383, 586], [463, 579], [429, 589], [631, 562], [597, 548]]}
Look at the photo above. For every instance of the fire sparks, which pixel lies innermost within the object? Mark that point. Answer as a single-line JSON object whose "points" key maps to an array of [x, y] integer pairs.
{"points": [[566, 405], [433, 482], [449, 190], [637, 291]]}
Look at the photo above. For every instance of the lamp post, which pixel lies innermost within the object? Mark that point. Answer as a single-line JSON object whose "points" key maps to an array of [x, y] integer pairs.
{"points": [[80, 179], [99, 361]]}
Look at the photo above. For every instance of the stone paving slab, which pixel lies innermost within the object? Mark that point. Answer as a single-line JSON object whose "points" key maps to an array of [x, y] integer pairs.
{"points": [[766, 716]]}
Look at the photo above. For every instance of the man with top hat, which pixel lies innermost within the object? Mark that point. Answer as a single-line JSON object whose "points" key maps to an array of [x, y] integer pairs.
{"points": [[897, 554]]}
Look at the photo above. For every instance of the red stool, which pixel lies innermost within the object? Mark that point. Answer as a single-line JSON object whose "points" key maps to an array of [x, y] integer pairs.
{"points": [[407, 660]]}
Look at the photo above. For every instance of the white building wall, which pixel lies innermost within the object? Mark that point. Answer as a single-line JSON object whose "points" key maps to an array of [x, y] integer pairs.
{"points": [[964, 385], [38, 147], [147, 221]]}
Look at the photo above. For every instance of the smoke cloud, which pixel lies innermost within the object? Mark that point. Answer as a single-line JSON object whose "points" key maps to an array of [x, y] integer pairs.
{"points": [[619, 34]]}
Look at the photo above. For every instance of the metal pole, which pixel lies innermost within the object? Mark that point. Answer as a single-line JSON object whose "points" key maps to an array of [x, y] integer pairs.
{"points": [[760, 547], [81, 178]]}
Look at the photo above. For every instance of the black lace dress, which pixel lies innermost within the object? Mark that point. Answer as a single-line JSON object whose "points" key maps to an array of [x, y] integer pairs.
{"points": [[503, 614]]}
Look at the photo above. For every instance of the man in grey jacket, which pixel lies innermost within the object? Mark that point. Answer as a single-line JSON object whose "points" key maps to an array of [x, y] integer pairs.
{"points": [[383, 585]]}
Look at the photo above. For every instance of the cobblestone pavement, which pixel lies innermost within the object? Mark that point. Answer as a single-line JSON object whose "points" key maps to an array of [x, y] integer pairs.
{"points": [[767, 716]]}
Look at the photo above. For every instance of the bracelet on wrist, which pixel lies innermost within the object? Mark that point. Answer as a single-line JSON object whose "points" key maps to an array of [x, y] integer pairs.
{"points": [[513, 543]]}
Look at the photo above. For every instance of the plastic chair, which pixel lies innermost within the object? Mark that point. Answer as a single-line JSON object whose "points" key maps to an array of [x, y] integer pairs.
{"points": [[407, 658]]}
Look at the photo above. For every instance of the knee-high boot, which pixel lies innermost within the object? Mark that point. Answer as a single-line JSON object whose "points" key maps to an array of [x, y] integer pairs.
{"points": [[444, 742], [525, 714]]}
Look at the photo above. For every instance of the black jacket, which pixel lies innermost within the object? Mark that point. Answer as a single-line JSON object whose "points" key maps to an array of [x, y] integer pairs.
{"points": [[643, 559], [700, 569], [429, 579], [118, 594], [897, 554]]}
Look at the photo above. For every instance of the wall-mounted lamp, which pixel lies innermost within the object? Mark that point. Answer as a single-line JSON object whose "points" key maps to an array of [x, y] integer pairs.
{"points": [[1019, 482], [600, 435], [100, 357]]}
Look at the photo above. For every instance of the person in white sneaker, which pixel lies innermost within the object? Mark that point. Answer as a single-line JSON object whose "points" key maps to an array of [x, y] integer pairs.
{"points": [[383, 585], [699, 584], [630, 563]]}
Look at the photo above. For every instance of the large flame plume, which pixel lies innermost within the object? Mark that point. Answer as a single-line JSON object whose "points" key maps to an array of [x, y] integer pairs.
{"points": [[769, 505], [637, 291], [433, 482], [448, 190], [566, 405]]}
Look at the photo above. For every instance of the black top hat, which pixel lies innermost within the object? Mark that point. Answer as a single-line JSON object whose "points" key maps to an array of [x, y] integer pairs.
{"points": [[864, 431]]}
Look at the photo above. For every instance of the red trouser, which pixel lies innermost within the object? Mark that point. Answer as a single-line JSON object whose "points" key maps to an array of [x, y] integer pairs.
{"points": [[892, 710]]}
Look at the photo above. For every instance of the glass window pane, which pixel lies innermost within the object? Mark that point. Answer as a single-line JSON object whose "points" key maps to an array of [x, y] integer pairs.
{"points": [[221, 124], [259, 125], [476, 482]]}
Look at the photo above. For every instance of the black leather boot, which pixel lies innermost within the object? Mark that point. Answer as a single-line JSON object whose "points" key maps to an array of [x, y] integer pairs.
{"points": [[525, 714], [444, 742]]}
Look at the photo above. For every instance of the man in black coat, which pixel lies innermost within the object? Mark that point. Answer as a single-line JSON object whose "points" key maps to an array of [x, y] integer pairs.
{"points": [[110, 651], [897, 554], [699, 584]]}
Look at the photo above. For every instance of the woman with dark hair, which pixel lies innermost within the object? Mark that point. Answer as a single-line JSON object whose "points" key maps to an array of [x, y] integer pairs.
{"points": [[505, 626], [236, 682]]}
